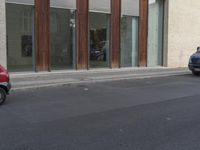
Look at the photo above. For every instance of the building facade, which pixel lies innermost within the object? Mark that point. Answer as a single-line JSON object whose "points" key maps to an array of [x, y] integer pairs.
{"points": [[47, 35]]}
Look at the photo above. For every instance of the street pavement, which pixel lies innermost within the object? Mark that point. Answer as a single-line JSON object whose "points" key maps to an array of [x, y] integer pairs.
{"points": [[138, 114]]}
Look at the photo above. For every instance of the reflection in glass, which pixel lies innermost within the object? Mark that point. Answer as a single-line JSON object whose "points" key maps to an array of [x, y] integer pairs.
{"points": [[20, 31], [62, 38], [129, 41], [99, 40], [155, 33]]}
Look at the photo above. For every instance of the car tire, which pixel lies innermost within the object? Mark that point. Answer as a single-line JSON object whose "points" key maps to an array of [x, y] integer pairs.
{"points": [[195, 73], [2, 96]]}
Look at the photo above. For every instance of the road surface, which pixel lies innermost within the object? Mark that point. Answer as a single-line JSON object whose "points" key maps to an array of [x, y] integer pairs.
{"points": [[145, 114]]}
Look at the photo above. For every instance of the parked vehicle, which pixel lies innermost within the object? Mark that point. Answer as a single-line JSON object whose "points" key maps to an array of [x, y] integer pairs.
{"points": [[4, 84], [194, 62]]}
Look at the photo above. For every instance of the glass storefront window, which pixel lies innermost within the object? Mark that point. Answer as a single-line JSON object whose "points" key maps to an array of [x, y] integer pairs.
{"points": [[99, 40], [129, 41], [155, 33], [129, 33], [99, 32], [20, 37], [62, 38]]}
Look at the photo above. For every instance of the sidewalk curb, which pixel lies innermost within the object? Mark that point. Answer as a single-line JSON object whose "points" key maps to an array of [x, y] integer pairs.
{"points": [[98, 80], [94, 71]]}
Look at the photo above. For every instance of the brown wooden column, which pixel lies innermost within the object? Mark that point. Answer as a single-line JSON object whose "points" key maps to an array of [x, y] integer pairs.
{"points": [[115, 33], [143, 33], [82, 34], [42, 24]]}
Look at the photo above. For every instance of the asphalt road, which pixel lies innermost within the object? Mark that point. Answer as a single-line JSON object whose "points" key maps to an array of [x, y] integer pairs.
{"points": [[145, 114]]}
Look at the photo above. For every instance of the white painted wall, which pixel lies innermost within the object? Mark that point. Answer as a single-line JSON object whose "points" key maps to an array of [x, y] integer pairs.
{"points": [[182, 35], [3, 57]]}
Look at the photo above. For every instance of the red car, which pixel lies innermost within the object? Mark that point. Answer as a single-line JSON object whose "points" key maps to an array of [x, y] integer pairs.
{"points": [[4, 84]]}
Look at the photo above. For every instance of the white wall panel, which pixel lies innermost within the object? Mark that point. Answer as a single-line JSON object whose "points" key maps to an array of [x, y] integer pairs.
{"points": [[3, 52], [69, 4], [130, 7], [103, 6], [27, 2]]}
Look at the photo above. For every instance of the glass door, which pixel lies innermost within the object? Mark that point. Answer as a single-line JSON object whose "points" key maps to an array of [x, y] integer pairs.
{"points": [[99, 33], [62, 33], [155, 33]]}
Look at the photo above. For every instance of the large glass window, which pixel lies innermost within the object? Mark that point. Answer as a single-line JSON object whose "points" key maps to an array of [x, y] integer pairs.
{"points": [[129, 33], [99, 40], [62, 31], [99, 22], [129, 41], [20, 36], [155, 35]]}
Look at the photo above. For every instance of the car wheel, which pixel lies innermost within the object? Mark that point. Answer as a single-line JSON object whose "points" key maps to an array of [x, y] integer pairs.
{"points": [[195, 73], [2, 96]]}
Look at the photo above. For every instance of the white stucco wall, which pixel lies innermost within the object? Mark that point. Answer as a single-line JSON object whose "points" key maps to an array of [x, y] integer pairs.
{"points": [[3, 57], [182, 35]]}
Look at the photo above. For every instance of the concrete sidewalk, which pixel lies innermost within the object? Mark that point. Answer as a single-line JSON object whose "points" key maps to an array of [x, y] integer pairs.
{"points": [[30, 80]]}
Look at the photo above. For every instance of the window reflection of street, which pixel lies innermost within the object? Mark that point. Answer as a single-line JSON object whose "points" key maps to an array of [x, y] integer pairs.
{"points": [[62, 38], [20, 35], [99, 43]]}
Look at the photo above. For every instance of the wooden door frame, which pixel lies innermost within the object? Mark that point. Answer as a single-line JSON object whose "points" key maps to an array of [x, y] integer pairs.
{"points": [[42, 35], [143, 33], [115, 33], [82, 16]]}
